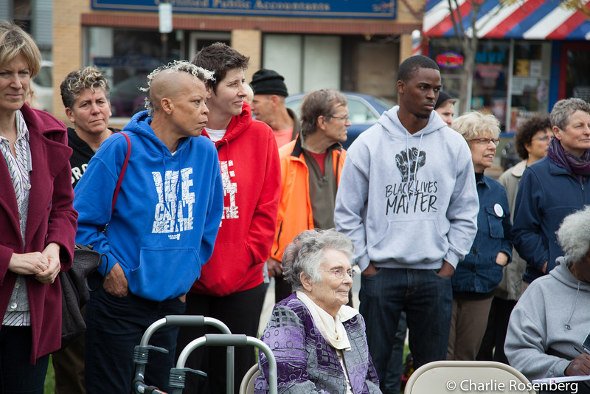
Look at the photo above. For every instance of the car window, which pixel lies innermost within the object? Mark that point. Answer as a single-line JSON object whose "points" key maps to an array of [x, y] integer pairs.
{"points": [[359, 112], [44, 77]]}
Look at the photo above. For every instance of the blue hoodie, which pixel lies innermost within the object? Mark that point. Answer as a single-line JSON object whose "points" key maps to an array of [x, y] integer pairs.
{"points": [[167, 215], [408, 200]]}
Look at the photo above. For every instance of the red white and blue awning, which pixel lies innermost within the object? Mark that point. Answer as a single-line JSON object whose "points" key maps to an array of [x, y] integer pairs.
{"points": [[528, 19]]}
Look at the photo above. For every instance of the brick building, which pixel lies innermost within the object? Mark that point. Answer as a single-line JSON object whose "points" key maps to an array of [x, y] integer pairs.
{"points": [[349, 45]]}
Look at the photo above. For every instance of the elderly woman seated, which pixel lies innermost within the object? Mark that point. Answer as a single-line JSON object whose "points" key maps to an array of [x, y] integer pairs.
{"points": [[549, 326], [318, 341]]}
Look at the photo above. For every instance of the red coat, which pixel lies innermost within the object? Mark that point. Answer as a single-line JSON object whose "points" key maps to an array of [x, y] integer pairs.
{"points": [[51, 218], [250, 169]]}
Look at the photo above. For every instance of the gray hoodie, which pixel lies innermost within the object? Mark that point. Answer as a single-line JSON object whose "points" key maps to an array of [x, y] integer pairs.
{"points": [[408, 201], [552, 316]]}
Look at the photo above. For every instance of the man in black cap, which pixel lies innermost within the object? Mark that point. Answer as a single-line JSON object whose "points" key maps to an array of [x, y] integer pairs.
{"points": [[269, 105]]}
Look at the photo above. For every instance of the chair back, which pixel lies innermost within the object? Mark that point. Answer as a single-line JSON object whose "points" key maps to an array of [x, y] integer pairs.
{"points": [[247, 385], [481, 377]]}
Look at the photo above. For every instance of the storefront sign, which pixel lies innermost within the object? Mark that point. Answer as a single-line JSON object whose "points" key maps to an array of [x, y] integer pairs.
{"points": [[280, 8], [449, 60]]}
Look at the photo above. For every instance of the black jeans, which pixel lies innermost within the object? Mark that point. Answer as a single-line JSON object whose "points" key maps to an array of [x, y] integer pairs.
{"points": [[115, 326], [17, 375]]}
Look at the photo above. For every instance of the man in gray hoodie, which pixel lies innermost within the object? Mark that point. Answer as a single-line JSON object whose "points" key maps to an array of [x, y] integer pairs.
{"points": [[548, 329], [407, 199]]}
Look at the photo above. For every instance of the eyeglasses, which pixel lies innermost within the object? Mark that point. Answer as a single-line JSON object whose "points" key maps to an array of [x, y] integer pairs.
{"points": [[344, 118], [544, 138], [340, 272], [486, 141]]}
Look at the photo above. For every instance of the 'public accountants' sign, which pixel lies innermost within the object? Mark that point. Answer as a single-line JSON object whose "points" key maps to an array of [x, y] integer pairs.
{"points": [[282, 8]]}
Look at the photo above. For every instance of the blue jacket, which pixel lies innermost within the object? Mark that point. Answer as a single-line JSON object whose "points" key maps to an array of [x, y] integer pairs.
{"points": [[478, 272], [167, 215], [546, 195]]}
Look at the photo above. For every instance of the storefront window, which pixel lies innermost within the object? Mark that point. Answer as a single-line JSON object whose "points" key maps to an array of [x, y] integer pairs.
{"points": [[493, 79], [578, 64], [530, 80], [126, 57]]}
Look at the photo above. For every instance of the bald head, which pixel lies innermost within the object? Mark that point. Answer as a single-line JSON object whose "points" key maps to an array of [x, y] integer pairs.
{"points": [[168, 81], [168, 84]]}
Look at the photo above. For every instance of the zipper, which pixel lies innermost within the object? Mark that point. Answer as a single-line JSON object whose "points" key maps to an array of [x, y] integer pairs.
{"points": [[278, 237]]}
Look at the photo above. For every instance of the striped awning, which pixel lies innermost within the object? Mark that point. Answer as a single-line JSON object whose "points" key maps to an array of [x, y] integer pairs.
{"points": [[528, 19]]}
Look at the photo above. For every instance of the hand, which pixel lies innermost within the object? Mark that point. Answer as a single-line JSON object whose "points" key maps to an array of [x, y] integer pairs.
{"points": [[502, 259], [275, 267], [579, 366], [446, 270], [28, 263], [371, 270], [182, 298], [115, 283], [48, 276]]}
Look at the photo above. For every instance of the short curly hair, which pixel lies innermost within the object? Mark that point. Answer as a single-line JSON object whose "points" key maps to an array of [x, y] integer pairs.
{"points": [[475, 125], [306, 252], [78, 81], [563, 109], [574, 235], [526, 132]]}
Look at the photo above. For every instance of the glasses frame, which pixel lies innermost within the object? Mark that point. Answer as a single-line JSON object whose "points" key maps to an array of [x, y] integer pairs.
{"points": [[485, 141], [339, 274], [344, 118]]}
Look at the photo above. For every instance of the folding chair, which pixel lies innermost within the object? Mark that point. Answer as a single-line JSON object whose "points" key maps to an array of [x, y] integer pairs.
{"points": [[479, 377], [247, 385]]}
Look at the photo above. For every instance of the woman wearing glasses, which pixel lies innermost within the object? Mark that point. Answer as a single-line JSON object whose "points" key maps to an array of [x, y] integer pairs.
{"points": [[318, 341], [532, 142], [480, 272]]}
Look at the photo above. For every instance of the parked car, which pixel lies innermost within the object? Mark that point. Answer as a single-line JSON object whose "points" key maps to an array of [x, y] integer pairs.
{"points": [[363, 111], [126, 98], [42, 87]]}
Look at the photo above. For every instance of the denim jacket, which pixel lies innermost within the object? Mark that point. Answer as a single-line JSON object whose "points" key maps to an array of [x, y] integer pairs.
{"points": [[478, 272]]}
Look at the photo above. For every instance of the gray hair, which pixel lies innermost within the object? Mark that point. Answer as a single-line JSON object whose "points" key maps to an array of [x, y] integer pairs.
{"points": [[563, 109], [574, 234], [318, 103], [179, 66], [306, 253], [475, 124]]}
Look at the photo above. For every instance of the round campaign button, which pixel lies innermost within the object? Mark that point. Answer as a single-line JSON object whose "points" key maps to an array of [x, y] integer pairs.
{"points": [[498, 210]]}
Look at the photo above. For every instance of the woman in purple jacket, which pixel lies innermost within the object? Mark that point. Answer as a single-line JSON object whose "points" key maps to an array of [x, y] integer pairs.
{"points": [[37, 220], [318, 341]]}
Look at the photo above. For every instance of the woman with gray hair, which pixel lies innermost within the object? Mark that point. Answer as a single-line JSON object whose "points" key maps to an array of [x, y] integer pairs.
{"points": [[318, 341], [553, 187], [549, 326], [478, 275]]}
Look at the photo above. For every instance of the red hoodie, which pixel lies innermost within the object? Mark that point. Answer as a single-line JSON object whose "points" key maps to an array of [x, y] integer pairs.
{"points": [[250, 171]]}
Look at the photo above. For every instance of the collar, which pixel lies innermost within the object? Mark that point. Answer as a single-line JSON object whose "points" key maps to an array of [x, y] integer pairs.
{"points": [[518, 169], [298, 148], [22, 132]]}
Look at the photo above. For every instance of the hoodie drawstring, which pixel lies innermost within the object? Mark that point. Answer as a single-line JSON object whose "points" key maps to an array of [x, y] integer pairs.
{"points": [[569, 320]]}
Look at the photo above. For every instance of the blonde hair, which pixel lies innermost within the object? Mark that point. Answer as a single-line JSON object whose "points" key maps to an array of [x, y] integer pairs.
{"points": [[14, 41], [475, 124]]}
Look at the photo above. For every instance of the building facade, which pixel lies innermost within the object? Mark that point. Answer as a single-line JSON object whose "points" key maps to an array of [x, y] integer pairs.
{"points": [[531, 53], [353, 45]]}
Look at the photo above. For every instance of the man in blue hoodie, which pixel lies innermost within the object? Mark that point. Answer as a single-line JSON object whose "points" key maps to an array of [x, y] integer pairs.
{"points": [[160, 232], [408, 200]]}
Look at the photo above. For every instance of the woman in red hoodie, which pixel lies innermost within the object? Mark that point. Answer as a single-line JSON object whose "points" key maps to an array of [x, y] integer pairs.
{"points": [[231, 286]]}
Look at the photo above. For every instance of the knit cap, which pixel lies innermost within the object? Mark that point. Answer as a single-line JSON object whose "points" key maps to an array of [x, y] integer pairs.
{"points": [[269, 82]]}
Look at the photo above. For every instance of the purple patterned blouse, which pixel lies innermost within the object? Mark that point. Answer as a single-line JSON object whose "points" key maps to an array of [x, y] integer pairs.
{"points": [[306, 363]]}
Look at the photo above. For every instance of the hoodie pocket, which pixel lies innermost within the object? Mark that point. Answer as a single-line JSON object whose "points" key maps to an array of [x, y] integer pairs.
{"points": [[410, 242], [164, 273]]}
